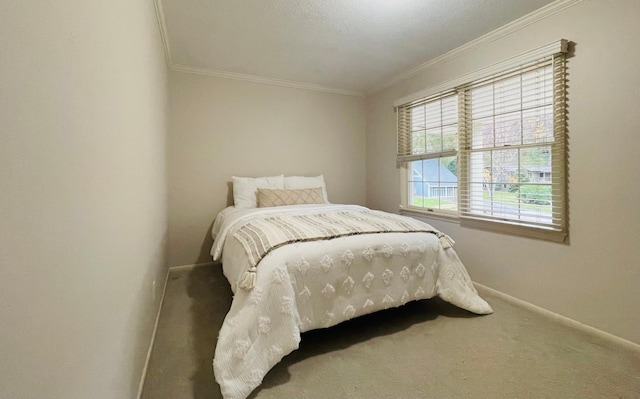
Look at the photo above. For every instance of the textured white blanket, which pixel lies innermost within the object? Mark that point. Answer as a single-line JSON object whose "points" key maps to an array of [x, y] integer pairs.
{"points": [[264, 234], [309, 285]]}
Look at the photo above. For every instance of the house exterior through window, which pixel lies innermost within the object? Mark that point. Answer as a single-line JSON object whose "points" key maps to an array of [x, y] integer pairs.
{"points": [[490, 149]]}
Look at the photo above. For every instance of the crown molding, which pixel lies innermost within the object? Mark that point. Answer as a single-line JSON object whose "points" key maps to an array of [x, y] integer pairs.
{"points": [[505, 30], [560, 46], [492, 36], [162, 25], [263, 80]]}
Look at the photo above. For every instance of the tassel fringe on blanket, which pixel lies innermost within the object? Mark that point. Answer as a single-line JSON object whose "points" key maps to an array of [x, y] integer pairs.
{"points": [[248, 279], [445, 240]]}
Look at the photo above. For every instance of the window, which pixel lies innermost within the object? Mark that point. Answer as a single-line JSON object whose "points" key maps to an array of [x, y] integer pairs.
{"points": [[490, 148], [433, 143]]}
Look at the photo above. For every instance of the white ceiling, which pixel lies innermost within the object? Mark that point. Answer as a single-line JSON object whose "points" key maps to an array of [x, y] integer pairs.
{"points": [[350, 45]]}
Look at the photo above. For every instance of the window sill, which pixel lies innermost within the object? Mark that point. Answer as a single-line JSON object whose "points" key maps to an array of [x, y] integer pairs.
{"points": [[514, 229], [511, 229], [431, 214]]}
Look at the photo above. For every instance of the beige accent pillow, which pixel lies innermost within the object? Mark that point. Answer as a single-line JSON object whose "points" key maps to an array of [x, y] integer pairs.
{"points": [[267, 197], [299, 182]]}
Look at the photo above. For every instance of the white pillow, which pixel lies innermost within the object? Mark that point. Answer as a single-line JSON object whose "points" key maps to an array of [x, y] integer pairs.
{"points": [[300, 182], [245, 188]]}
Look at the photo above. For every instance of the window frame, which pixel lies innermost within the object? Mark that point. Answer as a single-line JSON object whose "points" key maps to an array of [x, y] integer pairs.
{"points": [[557, 230], [422, 121]]}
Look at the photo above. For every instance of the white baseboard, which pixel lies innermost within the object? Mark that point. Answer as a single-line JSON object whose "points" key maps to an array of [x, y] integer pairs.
{"points": [[629, 345], [189, 267], [508, 298], [153, 338], [155, 326]]}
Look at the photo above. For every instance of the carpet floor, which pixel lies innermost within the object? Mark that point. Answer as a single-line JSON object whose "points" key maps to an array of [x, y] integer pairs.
{"points": [[425, 349]]}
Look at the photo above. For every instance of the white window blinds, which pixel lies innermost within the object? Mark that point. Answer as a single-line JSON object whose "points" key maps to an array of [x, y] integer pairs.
{"points": [[506, 127], [428, 128], [429, 146], [513, 147]]}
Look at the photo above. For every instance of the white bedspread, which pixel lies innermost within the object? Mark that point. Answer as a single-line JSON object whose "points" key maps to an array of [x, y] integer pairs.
{"points": [[309, 285]]}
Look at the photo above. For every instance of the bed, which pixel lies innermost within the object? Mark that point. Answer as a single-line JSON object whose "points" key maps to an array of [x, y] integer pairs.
{"points": [[295, 268]]}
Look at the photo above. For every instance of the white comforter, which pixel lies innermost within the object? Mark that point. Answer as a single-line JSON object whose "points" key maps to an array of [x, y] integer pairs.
{"points": [[309, 285]]}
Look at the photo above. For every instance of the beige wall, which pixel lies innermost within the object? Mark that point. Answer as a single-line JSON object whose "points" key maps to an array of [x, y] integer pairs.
{"points": [[83, 92], [594, 278], [219, 128], [83, 183]]}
